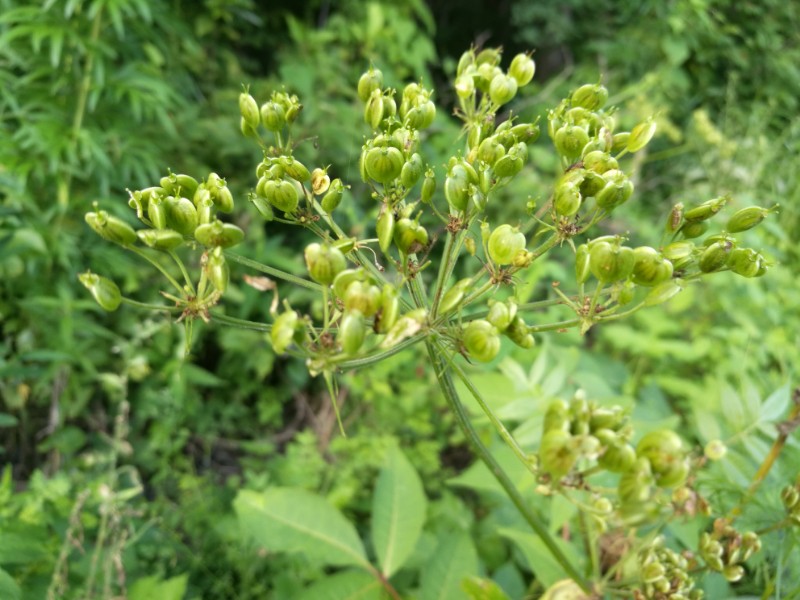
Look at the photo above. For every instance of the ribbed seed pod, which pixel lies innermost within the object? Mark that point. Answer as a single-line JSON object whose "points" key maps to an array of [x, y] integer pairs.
{"points": [[160, 239], [219, 234], [352, 332], [105, 292], [111, 228], [324, 262], [481, 340], [504, 244]]}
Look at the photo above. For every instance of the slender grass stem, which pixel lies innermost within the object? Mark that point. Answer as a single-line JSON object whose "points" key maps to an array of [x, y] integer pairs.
{"points": [[247, 262]]}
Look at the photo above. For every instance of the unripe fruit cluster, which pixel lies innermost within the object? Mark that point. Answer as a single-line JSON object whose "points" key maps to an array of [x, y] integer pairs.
{"points": [[665, 574], [725, 550]]}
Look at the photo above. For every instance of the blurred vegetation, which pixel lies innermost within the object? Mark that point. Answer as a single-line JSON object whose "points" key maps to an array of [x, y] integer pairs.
{"points": [[122, 458]]}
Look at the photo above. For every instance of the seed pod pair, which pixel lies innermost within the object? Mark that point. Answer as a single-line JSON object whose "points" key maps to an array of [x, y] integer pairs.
{"points": [[160, 239], [219, 234], [706, 210], [590, 96], [522, 69], [281, 194], [570, 141], [176, 184], [715, 256], [453, 297], [369, 82], [518, 332], [352, 332], [363, 297], [248, 107], [383, 164], [558, 453], [331, 200], [567, 198], [111, 228], [502, 89], [641, 135], [505, 243], [389, 309], [410, 236], [482, 340], [287, 329], [611, 262], [747, 218], [273, 116], [456, 186], [324, 262], [217, 270], [599, 162], [501, 314], [105, 292], [650, 268], [747, 263], [614, 193], [664, 450]]}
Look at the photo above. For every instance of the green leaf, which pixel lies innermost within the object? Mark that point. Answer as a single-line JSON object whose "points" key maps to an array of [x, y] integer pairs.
{"points": [[478, 588], [398, 512], [294, 520], [151, 587], [9, 590], [540, 561], [7, 420], [454, 560], [349, 585]]}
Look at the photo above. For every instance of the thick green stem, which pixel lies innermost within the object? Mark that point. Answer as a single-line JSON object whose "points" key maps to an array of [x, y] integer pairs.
{"points": [[451, 249], [462, 418], [498, 425], [274, 272]]}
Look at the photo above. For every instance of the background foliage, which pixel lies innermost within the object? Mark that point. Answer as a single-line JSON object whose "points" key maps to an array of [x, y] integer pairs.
{"points": [[127, 466]]}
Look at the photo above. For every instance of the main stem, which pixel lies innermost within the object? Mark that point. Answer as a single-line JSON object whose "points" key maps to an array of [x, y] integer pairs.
{"points": [[451, 395]]}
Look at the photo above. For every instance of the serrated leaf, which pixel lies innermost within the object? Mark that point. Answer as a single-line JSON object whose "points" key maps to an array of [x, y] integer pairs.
{"points": [[294, 520], [349, 585], [398, 512], [454, 560], [538, 557]]}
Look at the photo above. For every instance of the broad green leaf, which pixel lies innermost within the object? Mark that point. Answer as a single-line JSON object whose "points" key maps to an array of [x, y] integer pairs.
{"points": [[454, 560], [7, 420], [540, 561], [294, 520], [349, 585], [398, 512], [148, 588], [9, 590]]}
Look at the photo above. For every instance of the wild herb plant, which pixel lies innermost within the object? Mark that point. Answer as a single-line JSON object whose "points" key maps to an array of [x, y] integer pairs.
{"points": [[386, 293]]}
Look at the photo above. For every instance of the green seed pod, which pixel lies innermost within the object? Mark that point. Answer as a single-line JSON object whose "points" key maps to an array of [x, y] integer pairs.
{"points": [[715, 257], [204, 205], [606, 418], [490, 151], [157, 212], [526, 133], [373, 110], [582, 269], [746, 218], [283, 195], [522, 69], [745, 262], [504, 243], [186, 184], [160, 239], [733, 573], [223, 200], [650, 268], [219, 234], [481, 340], [217, 270], [517, 332], [694, 229], [663, 292], [564, 589], [111, 228], [508, 166], [363, 297], [591, 184], [384, 164], [352, 332], [295, 169], [389, 309], [181, 215], [706, 210], [465, 86], [286, 329], [675, 218], [664, 450], [610, 263], [567, 199], [557, 453], [641, 135], [324, 262], [385, 228], [790, 496], [453, 297], [570, 140], [263, 207], [599, 162], [456, 189], [428, 187], [369, 82], [410, 236], [590, 96], [653, 572], [680, 254], [635, 484], [674, 476], [499, 315], [331, 200], [715, 450], [249, 110], [466, 60], [619, 142], [502, 89], [618, 458], [412, 171], [488, 56], [557, 417], [614, 193], [105, 292], [273, 116]]}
